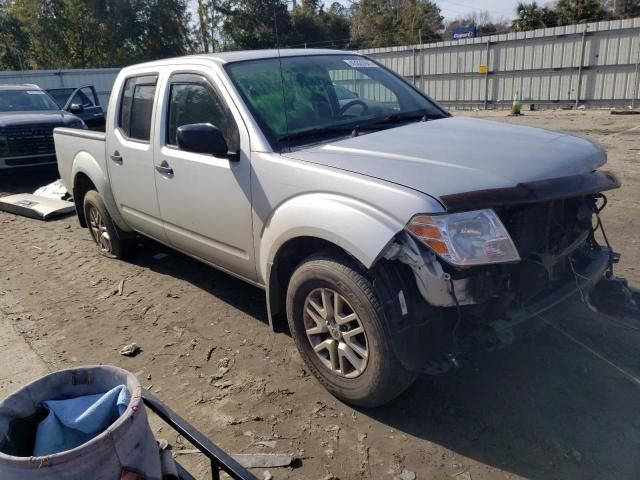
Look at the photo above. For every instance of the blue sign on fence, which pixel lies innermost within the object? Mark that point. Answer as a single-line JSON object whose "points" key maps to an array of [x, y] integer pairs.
{"points": [[464, 32]]}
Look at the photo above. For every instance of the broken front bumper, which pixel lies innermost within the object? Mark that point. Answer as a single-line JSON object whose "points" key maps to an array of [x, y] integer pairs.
{"points": [[517, 322]]}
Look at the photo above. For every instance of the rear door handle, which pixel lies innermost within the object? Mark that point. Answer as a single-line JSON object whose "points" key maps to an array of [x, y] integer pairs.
{"points": [[165, 169], [116, 158]]}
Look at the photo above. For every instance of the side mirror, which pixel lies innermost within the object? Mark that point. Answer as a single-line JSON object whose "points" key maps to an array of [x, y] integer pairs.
{"points": [[202, 138], [76, 108]]}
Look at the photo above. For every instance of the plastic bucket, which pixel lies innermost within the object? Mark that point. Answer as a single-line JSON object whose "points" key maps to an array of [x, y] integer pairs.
{"points": [[127, 445]]}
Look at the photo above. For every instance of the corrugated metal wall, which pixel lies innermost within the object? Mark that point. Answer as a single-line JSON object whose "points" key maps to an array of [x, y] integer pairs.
{"points": [[101, 78], [594, 63]]}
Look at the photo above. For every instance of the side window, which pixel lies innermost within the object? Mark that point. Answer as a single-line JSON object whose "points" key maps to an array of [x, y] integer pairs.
{"points": [[197, 103], [136, 107]]}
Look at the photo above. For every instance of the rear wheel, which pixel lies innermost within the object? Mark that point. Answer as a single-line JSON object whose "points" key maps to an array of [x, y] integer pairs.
{"points": [[337, 324], [112, 241]]}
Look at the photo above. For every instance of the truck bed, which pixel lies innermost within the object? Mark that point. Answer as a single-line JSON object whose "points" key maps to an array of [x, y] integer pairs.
{"points": [[75, 145]]}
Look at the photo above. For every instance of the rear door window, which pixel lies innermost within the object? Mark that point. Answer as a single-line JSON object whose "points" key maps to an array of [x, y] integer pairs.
{"points": [[136, 107]]}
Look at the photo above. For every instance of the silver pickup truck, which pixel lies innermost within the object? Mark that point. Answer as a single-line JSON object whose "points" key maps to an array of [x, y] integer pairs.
{"points": [[388, 235]]}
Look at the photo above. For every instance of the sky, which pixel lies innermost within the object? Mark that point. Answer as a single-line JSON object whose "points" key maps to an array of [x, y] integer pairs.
{"points": [[458, 8]]}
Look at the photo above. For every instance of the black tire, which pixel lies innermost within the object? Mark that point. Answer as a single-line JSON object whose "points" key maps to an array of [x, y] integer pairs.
{"points": [[112, 242], [383, 378]]}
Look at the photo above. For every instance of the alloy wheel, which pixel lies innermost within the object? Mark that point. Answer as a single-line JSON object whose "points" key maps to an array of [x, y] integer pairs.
{"points": [[335, 333], [99, 230]]}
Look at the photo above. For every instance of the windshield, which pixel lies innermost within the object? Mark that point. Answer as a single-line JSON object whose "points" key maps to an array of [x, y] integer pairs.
{"points": [[26, 101], [324, 96]]}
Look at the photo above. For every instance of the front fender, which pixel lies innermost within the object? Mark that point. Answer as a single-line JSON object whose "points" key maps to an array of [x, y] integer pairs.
{"points": [[358, 228], [86, 163]]}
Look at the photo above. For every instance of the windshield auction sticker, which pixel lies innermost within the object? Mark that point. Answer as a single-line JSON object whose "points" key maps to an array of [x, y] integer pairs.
{"points": [[360, 63], [35, 92]]}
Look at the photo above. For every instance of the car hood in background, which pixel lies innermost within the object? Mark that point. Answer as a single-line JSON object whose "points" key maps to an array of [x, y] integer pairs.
{"points": [[456, 155], [54, 118]]}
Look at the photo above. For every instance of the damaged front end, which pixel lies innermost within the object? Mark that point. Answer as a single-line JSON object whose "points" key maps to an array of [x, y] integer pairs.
{"points": [[440, 299]]}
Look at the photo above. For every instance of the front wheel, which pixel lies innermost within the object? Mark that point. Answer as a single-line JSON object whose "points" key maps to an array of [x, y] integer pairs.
{"points": [[112, 242], [337, 324]]}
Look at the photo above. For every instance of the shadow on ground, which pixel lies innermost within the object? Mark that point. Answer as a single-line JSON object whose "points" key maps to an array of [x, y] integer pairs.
{"points": [[547, 407], [26, 180], [241, 295]]}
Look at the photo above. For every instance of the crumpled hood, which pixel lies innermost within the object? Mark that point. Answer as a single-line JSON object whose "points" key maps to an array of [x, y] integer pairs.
{"points": [[457, 154], [54, 118]]}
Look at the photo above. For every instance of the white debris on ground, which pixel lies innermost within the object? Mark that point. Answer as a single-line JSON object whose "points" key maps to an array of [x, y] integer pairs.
{"points": [[53, 190]]}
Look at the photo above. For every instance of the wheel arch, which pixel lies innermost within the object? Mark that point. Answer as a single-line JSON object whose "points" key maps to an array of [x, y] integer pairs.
{"points": [[318, 222]]}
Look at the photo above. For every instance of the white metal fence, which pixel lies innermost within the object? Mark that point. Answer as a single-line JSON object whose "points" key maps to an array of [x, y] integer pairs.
{"points": [[101, 78], [595, 64]]}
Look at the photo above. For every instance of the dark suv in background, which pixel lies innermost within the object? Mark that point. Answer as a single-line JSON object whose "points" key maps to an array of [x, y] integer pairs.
{"points": [[28, 116]]}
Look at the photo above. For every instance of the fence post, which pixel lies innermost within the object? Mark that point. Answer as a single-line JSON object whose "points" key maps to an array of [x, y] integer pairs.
{"points": [[413, 66], [581, 66], [421, 60], [635, 82], [486, 77]]}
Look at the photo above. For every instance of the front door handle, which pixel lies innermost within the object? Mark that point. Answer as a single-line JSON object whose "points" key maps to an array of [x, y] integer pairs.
{"points": [[165, 169], [116, 158]]}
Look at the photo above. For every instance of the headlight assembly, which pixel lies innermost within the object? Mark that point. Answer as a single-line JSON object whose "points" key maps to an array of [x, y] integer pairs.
{"points": [[466, 239]]}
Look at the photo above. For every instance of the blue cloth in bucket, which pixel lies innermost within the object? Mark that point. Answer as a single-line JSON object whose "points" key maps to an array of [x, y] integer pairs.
{"points": [[75, 421]]}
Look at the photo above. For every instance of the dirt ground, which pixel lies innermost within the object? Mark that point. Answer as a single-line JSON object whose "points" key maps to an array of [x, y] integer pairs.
{"points": [[563, 404]]}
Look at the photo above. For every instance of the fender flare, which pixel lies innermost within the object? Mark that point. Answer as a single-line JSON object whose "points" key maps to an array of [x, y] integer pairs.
{"points": [[86, 164], [359, 229]]}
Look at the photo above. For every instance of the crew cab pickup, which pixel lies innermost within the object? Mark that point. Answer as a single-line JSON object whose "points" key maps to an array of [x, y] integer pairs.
{"points": [[388, 235]]}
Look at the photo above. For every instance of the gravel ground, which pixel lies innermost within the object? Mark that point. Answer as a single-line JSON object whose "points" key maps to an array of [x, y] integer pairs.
{"points": [[560, 404]]}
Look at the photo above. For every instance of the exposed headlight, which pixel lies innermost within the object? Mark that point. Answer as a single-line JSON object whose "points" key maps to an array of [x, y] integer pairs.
{"points": [[4, 146], [466, 239]]}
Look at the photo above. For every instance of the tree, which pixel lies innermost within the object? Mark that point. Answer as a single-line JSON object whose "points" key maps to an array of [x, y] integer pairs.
{"points": [[165, 29], [378, 23], [531, 16], [312, 25], [580, 11], [624, 8], [211, 15], [255, 23], [13, 41], [96, 33]]}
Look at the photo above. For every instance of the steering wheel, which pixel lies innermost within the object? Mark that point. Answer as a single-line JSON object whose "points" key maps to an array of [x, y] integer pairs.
{"points": [[352, 103]]}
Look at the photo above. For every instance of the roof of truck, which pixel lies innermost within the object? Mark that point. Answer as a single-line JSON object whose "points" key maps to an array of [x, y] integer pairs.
{"points": [[239, 56], [243, 55]]}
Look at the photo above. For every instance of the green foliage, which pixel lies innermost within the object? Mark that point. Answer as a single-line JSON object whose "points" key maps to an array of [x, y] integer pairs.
{"points": [[378, 23], [13, 41], [580, 11], [313, 25], [531, 16], [251, 25], [624, 8], [91, 33]]}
